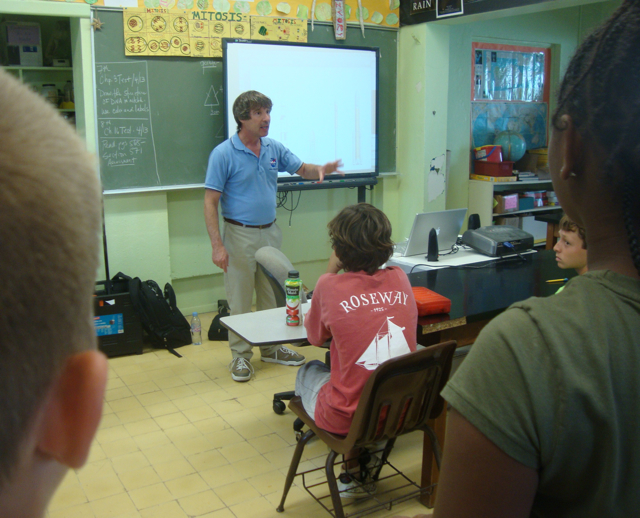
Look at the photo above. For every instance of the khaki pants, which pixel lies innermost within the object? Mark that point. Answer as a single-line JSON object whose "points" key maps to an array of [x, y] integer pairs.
{"points": [[243, 276], [309, 380]]}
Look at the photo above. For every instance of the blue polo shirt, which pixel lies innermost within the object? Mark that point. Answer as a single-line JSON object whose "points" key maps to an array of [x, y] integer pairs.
{"points": [[248, 183]]}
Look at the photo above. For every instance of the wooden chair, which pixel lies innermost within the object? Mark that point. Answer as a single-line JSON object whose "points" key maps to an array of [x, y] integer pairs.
{"points": [[400, 397]]}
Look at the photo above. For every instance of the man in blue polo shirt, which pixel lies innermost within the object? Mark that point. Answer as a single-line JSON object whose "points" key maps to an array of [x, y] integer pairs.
{"points": [[242, 177]]}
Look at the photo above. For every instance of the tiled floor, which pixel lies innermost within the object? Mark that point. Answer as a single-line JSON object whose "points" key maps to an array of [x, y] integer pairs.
{"points": [[179, 438]]}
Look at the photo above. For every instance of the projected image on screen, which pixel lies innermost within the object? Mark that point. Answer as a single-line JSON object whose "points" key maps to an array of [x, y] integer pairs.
{"points": [[324, 98]]}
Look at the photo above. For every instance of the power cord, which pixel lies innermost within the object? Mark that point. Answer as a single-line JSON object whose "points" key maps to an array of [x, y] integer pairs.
{"points": [[283, 196], [485, 264], [454, 250], [510, 246]]}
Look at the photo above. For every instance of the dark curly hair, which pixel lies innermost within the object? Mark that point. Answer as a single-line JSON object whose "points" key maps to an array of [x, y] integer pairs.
{"points": [[361, 237], [568, 225], [600, 92], [247, 101]]}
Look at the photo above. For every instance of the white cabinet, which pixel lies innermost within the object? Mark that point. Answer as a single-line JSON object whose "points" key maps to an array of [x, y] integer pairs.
{"points": [[481, 198], [37, 77], [78, 16]]}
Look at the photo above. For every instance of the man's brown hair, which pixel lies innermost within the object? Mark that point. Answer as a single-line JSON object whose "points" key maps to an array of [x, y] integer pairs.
{"points": [[49, 235], [247, 101], [361, 237]]}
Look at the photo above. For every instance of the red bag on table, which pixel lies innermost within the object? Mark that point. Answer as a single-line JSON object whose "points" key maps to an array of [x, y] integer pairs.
{"points": [[429, 302]]}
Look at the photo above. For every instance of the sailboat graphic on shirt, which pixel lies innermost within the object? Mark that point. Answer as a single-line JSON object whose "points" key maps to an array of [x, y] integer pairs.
{"points": [[386, 344]]}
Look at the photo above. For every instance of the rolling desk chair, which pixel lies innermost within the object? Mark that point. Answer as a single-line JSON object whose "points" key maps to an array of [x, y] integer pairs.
{"points": [[276, 266]]}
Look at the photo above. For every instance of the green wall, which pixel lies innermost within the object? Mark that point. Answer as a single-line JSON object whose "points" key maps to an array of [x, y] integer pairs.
{"points": [[161, 235], [560, 29], [434, 105], [423, 64]]}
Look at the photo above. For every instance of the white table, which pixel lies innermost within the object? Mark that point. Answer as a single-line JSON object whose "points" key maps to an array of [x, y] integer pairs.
{"points": [[266, 327], [464, 256]]}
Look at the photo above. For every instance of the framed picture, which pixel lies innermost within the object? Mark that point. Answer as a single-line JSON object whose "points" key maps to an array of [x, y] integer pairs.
{"points": [[449, 8]]}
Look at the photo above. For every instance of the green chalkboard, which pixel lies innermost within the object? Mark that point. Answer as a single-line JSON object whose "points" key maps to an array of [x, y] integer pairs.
{"points": [[159, 118]]}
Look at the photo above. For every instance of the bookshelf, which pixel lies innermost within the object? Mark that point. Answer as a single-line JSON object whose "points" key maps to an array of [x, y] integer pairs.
{"points": [[35, 77], [481, 201]]}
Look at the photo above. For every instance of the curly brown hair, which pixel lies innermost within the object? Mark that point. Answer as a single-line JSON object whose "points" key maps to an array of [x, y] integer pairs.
{"points": [[361, 238], [568, 225], [247, 101]]}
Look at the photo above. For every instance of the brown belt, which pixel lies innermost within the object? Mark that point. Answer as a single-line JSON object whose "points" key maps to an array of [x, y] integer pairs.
{"points": [[234, 222]]}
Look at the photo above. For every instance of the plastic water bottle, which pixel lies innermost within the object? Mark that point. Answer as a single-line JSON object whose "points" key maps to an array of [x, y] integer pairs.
{"points": [[68, 92], [292, 288], [196, 329]]}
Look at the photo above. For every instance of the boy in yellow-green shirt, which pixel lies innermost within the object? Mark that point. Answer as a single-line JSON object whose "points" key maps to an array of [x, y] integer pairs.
{"points": [[571, 248]]}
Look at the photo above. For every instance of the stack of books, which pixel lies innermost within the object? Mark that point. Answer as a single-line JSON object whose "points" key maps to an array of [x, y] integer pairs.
{"points": [[526, 175]]}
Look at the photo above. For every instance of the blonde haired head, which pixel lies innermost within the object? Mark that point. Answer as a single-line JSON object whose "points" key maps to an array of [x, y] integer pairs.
{"points": [[49, 226]]}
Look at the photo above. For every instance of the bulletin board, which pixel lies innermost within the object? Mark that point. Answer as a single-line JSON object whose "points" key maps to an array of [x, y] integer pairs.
{"points": [[176, 32], [510, 87], [382, 13]]}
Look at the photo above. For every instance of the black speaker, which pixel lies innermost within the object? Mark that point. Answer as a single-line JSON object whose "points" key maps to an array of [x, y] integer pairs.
{"points": [[474, 221], [432, 279], [432, 249]]}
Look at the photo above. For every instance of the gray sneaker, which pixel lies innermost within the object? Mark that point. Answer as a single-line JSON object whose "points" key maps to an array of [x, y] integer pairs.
{"points": [[349, 487], [241, 369], [284, 356]]}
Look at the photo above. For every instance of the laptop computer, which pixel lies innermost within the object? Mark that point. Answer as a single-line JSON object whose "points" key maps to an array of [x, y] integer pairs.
{"points": [[447, 224]]}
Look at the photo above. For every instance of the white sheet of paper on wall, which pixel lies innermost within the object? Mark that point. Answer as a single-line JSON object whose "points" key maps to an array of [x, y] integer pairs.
{"points": [[339, 22], [436, 179]]}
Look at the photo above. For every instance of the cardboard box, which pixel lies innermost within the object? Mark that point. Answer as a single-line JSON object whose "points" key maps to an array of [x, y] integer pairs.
{"points": [[525, 203], [20, 44], [505, 203], [533, 199]]}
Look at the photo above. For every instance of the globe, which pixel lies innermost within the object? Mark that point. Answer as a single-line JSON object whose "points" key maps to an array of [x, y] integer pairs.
{"points": [[512, 143]]}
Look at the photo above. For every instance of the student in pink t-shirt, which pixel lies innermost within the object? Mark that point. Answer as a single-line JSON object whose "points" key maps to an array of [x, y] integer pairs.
{"points": [[356, 310]]}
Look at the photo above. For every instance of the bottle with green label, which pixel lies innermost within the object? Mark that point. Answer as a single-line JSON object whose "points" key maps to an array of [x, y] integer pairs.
{"points": [[292, 288]]}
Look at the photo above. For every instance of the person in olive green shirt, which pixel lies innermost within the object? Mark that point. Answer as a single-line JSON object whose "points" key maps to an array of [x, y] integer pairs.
{"points": [[544, 419]]}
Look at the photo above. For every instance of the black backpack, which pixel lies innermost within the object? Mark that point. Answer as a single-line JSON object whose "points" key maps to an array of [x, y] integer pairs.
{"points": [[161, 319], [217, 331]]}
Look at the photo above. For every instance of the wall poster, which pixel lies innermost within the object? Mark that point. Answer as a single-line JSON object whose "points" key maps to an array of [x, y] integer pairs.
{"points": [[509, 91]]}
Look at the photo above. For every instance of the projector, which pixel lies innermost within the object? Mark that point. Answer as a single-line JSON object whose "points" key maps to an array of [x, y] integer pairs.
{"points": [[498, 240]]}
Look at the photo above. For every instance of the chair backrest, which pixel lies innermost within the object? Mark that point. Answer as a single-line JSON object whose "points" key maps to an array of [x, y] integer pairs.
{"points": [[276, 266], [402, 394], [278, 290]]}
